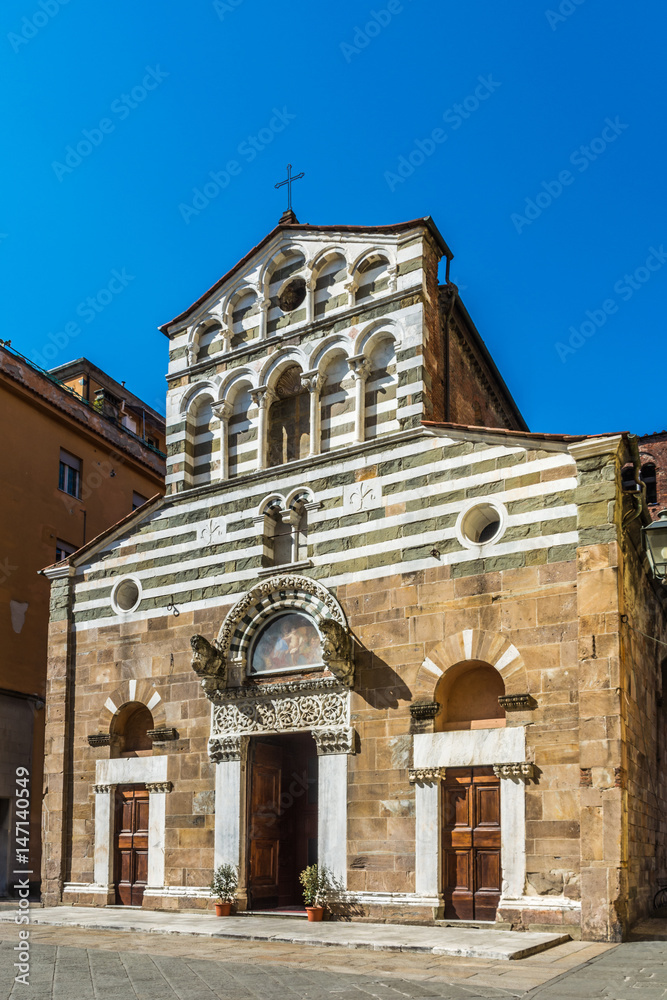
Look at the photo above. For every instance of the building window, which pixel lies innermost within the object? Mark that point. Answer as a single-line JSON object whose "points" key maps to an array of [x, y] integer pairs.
{"points": [[64, 549], [649, 480], [481, 523], [126, 595], [153, 442], [69, 477], [138, 500]]}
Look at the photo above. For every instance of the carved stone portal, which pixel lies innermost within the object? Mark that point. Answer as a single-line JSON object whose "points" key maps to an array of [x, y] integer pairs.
{"points": [[284, 712]]}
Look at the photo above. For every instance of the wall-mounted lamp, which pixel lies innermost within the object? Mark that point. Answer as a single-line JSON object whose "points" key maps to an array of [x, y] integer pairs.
{"points": [[655, 541]]}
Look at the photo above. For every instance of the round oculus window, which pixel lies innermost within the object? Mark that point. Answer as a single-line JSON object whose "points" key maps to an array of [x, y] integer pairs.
{"points": [[292, 295], [481, 524], [126, 595]]}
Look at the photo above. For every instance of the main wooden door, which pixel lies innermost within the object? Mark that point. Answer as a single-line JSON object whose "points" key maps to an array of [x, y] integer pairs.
{"points": [[471, 843], [131, 845], [282, 820]]}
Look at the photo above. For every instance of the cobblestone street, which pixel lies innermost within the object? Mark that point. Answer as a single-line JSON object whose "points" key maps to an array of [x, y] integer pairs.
{"points": [[74, 964]]}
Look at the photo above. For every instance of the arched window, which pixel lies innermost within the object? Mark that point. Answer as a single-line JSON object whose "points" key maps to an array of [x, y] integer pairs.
{"points": [[206, 341], [286, 292], [289, 419], [381, 388], [372, 277], [241, 433], [244, 319], [649, 479], [337, 404], [129, 731], [205, 429], [468, 697], [330, 285], [285, 533]]}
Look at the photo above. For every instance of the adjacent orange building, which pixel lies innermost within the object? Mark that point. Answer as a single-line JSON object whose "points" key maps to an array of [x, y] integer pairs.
{"points": [[79, 453]]}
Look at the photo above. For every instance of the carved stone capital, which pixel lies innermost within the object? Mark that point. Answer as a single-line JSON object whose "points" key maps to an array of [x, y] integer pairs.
{"points": [[163, 734], [360, 366], [103, 789], [225, 748], [334, 741], [516, 702], [223, 410], [313, 381], [425, 775], [518, 771], [424, 710], [159, 786], [263, 396], [99, 739]]}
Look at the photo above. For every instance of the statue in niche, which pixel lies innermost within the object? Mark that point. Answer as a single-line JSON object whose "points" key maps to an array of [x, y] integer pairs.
{"points": [[206, 659]]}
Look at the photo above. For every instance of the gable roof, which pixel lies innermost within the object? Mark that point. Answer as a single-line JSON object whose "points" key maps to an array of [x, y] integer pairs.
{"points": [[285, 227]]}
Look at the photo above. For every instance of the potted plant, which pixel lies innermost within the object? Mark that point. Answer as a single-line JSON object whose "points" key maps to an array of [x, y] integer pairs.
{"points": [[318, 885], [223, 887]]}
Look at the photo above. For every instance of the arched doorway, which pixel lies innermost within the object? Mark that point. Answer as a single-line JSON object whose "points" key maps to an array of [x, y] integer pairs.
{"points": [[468, 696], [129, 738]]}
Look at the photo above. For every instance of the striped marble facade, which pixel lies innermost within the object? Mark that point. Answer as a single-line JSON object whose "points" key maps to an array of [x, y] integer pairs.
{"points": [[383, 509]]}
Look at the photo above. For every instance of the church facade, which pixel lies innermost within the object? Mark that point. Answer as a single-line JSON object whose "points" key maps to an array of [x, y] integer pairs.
{"points": [[375, 623]]}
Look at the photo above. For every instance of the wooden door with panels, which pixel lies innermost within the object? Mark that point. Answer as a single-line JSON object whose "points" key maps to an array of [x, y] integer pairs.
{"points": [[471, 843], [282, 818], [131, 845]]}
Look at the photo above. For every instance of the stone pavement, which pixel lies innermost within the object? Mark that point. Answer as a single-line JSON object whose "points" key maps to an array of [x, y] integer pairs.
{"points": [[469, 942], [69, 963]]}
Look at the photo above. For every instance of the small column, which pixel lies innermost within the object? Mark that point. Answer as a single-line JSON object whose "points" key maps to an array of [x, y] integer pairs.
{"points": [[264, 307], [104, 821], [351, 287], [262, 398], [313, 381], [333, 748], [310, 299], [427, 825], [513, 780], [223, 412], [157, 809], [360, 367]]}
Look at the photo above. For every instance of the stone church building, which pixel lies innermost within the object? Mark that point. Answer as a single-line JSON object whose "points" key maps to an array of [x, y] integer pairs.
{"points": [[375, 623]]}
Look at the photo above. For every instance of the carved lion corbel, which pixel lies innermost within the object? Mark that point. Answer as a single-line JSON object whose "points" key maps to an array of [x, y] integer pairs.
{"points": [[207, 661], [337, 649]]}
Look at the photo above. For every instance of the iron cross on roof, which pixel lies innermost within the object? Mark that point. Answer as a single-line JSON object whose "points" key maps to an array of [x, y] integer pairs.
{"points": [[288, 181]]}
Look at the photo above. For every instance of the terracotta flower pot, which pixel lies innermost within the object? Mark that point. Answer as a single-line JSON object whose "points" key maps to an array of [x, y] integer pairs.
{"points": [[315, 912], [223, 909]]}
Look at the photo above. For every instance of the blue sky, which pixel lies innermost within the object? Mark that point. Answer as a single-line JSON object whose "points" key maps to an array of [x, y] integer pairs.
{"points": [[551, 241]]}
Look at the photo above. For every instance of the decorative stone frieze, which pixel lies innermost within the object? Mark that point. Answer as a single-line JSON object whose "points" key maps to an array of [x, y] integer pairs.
{"points": [[159, 786], [331, 741], [226, 748], [99, 739], [102, 789], [163, 734], [518, 770], [516, 702], [425, 775], [283, 712]]}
